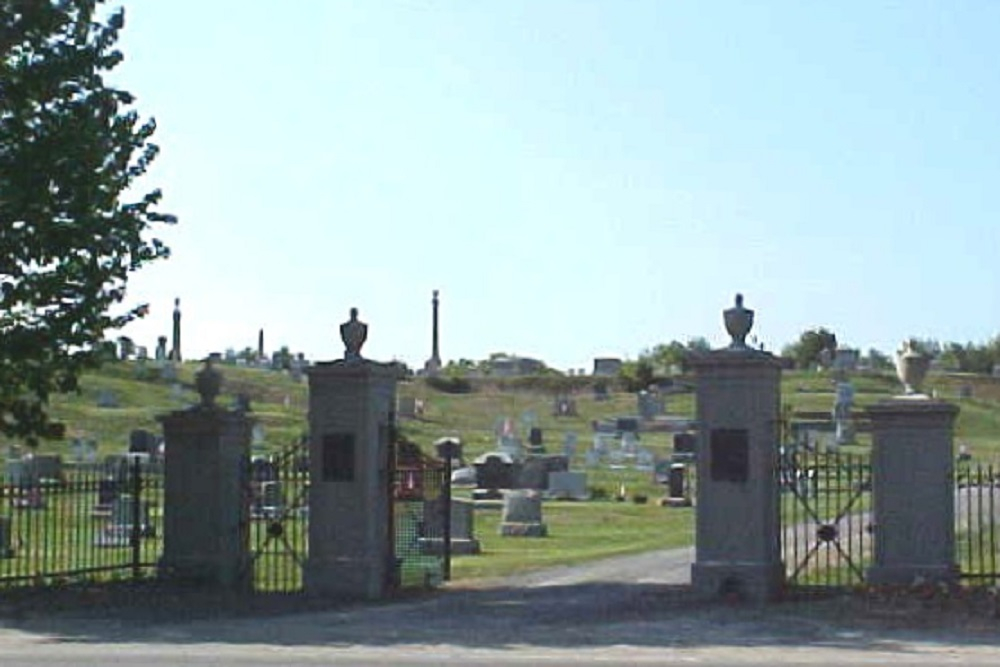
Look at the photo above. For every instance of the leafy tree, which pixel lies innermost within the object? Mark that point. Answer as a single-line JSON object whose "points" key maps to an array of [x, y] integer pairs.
{"points": [[71, 147], [808, 350]]}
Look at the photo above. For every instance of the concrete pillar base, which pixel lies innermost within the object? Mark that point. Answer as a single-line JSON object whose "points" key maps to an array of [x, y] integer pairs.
{"points": [[346, 578], [754, 582]]}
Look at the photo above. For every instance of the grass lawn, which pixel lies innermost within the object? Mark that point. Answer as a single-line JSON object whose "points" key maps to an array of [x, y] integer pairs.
{"points": [[577, 532]]}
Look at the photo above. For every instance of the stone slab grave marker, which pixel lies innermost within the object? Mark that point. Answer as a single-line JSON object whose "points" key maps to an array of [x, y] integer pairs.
{"points": [[463, 534], [268, 500], [107, 399], [644, 459], [118, 531], [570, 440], [568, 485], [522, 514]]}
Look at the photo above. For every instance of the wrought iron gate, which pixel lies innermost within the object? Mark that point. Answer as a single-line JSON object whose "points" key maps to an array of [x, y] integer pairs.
{"points": [[278, 513], [826, 517]]}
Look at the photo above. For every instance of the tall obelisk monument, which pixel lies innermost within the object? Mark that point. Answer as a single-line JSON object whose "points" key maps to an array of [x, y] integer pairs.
{"points": [[433, 365]]}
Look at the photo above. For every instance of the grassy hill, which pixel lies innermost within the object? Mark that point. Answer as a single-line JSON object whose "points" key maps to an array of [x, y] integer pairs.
{"points": [[578, 531], [279, 405]]}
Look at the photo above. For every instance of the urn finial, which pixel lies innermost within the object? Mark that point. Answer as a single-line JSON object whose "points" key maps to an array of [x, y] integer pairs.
{"points": [[353, 332], [208, 382], [912, 365], [738, 322]]}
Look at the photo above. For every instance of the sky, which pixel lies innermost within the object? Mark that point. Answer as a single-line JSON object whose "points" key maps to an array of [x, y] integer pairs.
{"points": [[578, 178]]}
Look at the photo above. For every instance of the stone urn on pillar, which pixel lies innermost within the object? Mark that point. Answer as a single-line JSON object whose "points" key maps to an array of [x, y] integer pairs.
{"points": [[208, 382], [738, 321], [912, 365], [353, 332]]}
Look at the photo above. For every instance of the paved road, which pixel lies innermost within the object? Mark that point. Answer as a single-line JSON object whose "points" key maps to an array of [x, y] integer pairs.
{"points": [[631, 611]]}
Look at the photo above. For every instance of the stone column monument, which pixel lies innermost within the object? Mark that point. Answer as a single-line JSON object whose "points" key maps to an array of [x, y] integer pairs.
{"points": [[433, 365], [351, 422], [913, 483], [738, 548], [175, 353], [205, 512]]}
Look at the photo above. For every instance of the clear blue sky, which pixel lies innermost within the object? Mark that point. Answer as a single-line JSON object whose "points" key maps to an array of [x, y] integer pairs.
{"points": [[577, 178]]}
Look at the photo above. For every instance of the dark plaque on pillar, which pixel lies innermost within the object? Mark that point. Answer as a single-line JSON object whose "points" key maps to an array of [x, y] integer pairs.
{"points": [[729, 449], [338, 457]]}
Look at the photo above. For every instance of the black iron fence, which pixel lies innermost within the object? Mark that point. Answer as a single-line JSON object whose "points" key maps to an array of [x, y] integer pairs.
{"points": [[81, 522], [977, 499]]}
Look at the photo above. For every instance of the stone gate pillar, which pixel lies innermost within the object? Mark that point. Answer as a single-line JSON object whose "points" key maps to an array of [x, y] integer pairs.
{"points": [[737, 542], [205, 537], [913, 490], [351, 418]]}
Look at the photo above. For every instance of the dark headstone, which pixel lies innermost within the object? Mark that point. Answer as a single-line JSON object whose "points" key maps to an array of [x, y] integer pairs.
{"points": [[141, 441], [685, 444], [494, 472]]}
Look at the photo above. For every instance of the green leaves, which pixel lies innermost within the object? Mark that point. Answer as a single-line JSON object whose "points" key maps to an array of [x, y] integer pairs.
{"points": [[70, 148]]}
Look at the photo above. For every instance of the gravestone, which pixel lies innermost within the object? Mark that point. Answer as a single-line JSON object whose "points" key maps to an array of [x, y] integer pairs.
{"points": [[268, 500], [122, 526], [449, 449], [685, 446], [843, 425], [143, 441], [108, 490], [534, 471], [169, 372], [463, 534], [592, 458], [564, 406], [569, 444], [494, 471], [463, 476], [644, 459], [629, 443], [625, 425], [602, 443], [650, 405], [511, 446], [536, 440], [161, 350], [522, 514], [678, 494], [601, 392], [16, 472], [567, 485], [45, 468], [84, 451], [107, 399]]}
